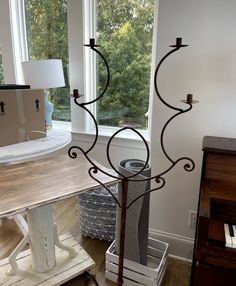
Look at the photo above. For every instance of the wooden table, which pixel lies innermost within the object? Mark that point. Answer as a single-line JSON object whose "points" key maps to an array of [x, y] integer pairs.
{"points": [[31, 187]]}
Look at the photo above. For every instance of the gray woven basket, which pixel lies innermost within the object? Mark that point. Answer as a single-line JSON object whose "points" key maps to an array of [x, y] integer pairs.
{"points": [[97, 213]]}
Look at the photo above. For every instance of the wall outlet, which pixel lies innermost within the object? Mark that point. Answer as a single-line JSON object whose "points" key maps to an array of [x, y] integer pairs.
{"points": [[192, 219]]}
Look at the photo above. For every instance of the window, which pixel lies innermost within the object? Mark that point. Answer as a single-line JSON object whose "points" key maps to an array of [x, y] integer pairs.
{"points": [[47, 38], [124, 31]]}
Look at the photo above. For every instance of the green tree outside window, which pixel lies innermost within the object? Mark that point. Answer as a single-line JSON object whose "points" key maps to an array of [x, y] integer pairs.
{"points": [[1, 69], [124, 31], [47, 37]]}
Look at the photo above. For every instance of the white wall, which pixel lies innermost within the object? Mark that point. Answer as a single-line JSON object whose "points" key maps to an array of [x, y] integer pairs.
{"points": [[207, 68]]}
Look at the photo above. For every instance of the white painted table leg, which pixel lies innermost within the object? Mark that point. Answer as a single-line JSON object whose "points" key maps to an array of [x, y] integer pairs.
{"points": [[21, 223], [58, 243], [40, 223], [15, 252]]}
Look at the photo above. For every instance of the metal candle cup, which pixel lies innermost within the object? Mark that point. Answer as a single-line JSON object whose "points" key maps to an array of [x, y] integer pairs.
{"points": [[92, 42], [189, 98], [178, 42]]}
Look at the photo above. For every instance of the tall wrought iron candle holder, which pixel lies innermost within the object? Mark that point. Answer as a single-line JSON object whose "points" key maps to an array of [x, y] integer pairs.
{"points": [[124, 180]]}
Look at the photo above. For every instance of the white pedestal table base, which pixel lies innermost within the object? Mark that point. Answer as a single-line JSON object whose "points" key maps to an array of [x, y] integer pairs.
{"points": [[66, 267]]}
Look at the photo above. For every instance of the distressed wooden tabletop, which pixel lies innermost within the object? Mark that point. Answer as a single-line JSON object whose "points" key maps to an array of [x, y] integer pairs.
{"points": [[29, 185]]}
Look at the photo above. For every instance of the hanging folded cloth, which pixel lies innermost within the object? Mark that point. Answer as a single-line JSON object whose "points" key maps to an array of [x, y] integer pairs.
{"points": [[137, 218]]}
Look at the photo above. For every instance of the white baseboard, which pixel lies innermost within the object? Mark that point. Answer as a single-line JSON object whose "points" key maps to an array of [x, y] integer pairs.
{"points": [[179, 247]]}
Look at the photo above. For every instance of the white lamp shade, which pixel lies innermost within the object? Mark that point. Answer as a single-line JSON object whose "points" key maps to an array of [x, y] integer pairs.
{"points": [[42, 74]]}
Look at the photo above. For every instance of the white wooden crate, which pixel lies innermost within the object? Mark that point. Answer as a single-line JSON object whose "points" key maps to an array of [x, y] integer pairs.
{"points": [[135, 274]]}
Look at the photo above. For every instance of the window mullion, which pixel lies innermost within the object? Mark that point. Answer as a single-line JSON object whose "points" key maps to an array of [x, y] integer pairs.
{"points": [[20, 52], [22, 30], [90, 59]]}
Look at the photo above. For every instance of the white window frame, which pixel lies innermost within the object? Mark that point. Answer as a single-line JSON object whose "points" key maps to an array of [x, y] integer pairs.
{"points": [[7, 41], [80, 29]]}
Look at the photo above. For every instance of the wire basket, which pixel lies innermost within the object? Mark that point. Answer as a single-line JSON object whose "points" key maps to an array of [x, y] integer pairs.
{"points": [[97, 213]]}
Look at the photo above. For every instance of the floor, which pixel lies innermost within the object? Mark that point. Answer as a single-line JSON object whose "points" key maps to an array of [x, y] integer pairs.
{"points": [[66, 216]]}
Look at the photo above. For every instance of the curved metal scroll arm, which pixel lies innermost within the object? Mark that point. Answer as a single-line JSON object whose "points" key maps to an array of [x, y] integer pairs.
{"points": [[159, 180], [147, 156], [83, 105], [74, 155], [94, 170], [176, 47], [188, 101]]}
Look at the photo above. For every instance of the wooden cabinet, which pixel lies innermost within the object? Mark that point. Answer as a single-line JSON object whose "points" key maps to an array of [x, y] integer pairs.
{"points": [[213, 262]]}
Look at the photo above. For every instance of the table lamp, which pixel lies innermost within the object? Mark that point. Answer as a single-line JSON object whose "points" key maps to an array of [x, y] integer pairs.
{"points": [[44, 74]]}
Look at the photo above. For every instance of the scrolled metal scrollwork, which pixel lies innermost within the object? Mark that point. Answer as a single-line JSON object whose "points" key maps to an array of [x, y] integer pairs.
{"points": [[189, 164], [135, 174]]}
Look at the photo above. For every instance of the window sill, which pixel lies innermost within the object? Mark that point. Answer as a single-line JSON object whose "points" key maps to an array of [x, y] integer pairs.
{"points": [[62, 124], [125, 138]]}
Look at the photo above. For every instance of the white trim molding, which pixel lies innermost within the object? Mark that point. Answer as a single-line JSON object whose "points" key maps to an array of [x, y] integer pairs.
{"points": [[120, 149], [180, 247], [7, 42], [124, 142]]}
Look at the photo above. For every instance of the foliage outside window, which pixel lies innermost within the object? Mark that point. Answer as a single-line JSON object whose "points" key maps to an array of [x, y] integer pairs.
{"points": [[1, 69], [124, 30], [47, 37]]}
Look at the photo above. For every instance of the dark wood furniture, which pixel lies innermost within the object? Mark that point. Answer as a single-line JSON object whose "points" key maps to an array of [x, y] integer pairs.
{"points": [[213, 263]]}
